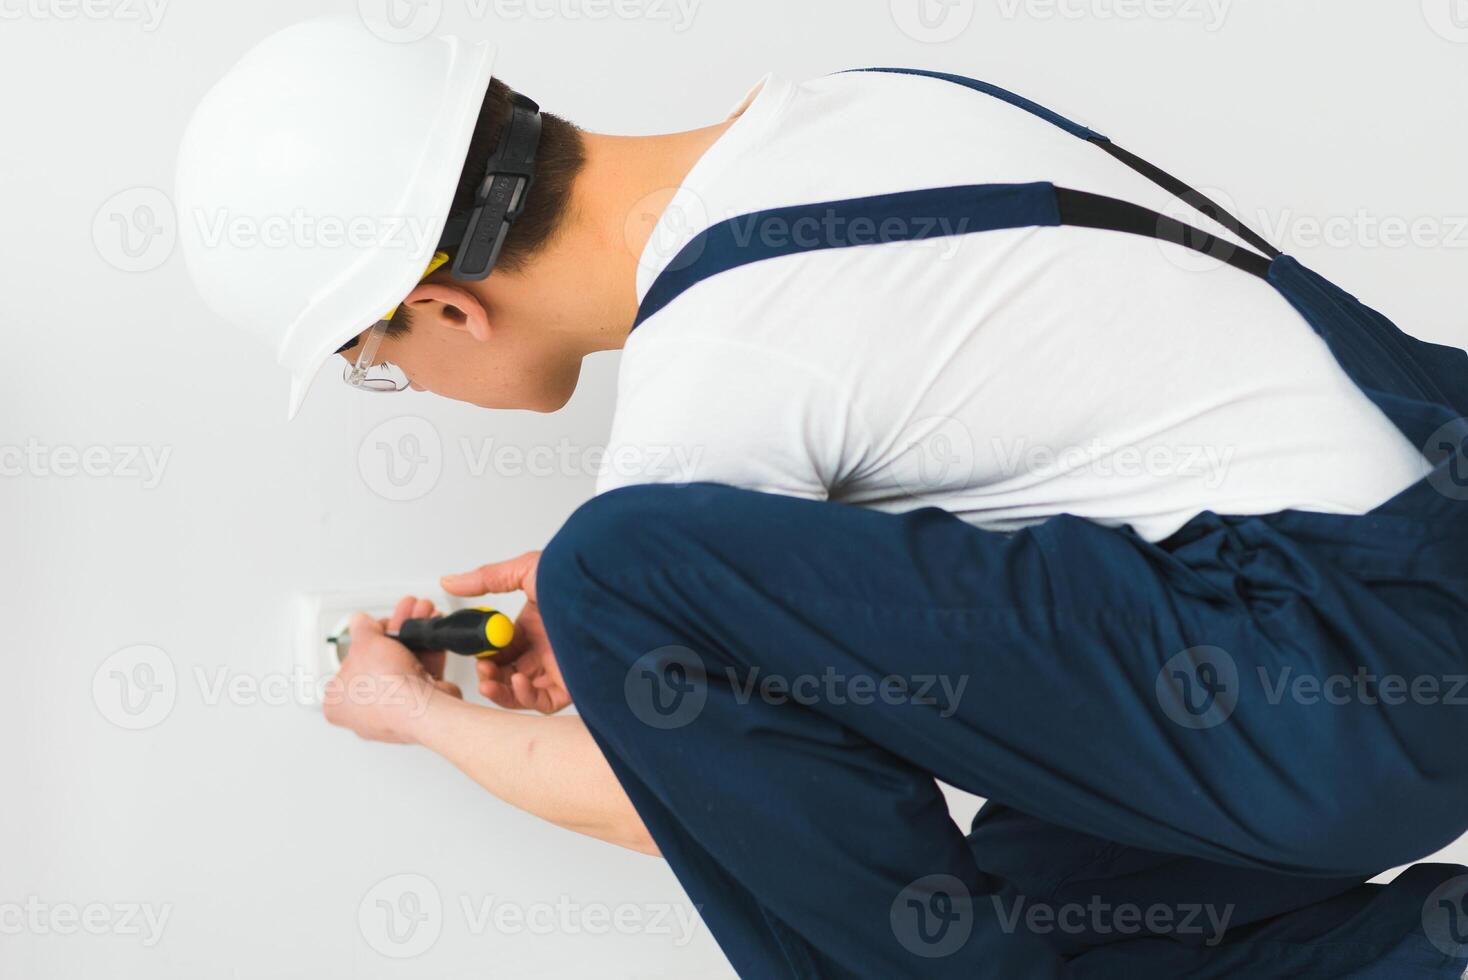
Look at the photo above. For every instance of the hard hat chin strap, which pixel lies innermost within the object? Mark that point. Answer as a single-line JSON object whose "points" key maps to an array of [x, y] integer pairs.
{"points": [[476, 238]]}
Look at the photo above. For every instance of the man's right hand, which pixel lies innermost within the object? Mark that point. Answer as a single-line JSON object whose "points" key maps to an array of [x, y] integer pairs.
{"points": [[524, 674]]}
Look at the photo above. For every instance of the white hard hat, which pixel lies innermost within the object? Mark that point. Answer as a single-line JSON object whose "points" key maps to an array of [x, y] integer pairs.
{"points": [[315, 178]]}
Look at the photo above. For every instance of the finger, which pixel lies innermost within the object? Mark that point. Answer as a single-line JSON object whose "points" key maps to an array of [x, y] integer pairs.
{"points": [[449, 687], [363, 625], [553, 701], [500, 694], [488, 673], [403, 610], [525, 692], [498, 577], [493, 670], [433, 662]]}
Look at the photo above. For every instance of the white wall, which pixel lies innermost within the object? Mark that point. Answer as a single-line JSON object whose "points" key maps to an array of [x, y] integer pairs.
{"points": [[261, 830]]}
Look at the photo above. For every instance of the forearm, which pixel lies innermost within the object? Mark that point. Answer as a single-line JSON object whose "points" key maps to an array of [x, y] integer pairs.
{"points": [[550, 767]]}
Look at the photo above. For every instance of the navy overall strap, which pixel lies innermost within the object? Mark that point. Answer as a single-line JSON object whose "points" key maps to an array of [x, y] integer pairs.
{"points": [[918, 216], [1193, 198], [935, 213]]}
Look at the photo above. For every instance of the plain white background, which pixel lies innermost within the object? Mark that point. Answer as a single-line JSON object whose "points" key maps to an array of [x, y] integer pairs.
{"points": [[269, 839]]}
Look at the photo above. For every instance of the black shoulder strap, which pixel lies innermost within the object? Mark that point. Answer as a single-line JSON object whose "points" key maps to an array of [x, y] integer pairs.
{"points": [[1193, 198], [1188, 195], [1080, 209]]}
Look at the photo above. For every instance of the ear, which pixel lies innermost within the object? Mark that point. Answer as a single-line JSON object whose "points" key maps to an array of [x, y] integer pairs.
{"points": [[451, 306]]}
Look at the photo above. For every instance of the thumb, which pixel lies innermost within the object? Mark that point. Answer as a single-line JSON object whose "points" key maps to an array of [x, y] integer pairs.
{"points": [[514, 575]]}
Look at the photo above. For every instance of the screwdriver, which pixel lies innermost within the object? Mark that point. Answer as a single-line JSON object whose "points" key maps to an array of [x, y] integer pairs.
{"points": [[480, 632]]}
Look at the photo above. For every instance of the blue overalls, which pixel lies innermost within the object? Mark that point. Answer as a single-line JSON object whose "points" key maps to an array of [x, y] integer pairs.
{"points": [[777, 683]]}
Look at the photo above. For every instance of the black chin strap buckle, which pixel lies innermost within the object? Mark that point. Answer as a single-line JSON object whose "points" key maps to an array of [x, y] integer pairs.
{"points": [[478, 239]]}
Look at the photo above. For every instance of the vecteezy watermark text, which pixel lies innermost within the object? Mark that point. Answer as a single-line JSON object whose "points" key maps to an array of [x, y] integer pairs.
{"points": [[37, 917], [146, 13], [1211, 14], [834, 688], [403, 915], [1363, 687], [1098, 917], [123, 462], [406, 21], [670, 463], [668, 688], [1098, 459]]}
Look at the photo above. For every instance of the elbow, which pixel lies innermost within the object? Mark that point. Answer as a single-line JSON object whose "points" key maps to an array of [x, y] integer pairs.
{"points": [[646, 845], [634, 837], [629, 834]]}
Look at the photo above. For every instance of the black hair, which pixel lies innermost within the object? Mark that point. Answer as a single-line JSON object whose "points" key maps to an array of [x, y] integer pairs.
{"points": [[559, 160]]}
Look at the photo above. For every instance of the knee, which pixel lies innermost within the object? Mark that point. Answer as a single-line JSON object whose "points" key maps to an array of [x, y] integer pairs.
{"points": [[598, 571], [638, 527], [606, 535]]}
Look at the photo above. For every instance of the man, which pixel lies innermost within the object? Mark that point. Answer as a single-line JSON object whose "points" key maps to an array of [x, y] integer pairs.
{"points": [[940, 452]]}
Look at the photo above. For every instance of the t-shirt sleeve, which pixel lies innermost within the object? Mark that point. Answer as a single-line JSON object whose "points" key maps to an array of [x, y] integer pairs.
{"points": [[716, 411]]}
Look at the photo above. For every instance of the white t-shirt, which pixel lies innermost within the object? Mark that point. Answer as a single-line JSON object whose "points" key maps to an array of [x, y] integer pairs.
{"points": [[1006, 376]]}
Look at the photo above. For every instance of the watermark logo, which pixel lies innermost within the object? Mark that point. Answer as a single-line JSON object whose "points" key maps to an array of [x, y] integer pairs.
{"points": [[1447, 450], [1199, 688], [936, 453], [1448, 19], [1189, 248], [401, 459], [667, 688], [1445, 917], [136, 230], [662, 229], [139, 687], [401, 916], [932, 21], [136, 687], [933, 917], [401, 21]]}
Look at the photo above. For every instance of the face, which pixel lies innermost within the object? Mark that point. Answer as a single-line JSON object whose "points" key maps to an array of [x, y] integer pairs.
{"points": [[453, 348]]}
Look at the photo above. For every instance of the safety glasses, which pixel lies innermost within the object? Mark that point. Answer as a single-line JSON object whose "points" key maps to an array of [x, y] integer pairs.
{"points": [[366, 375]]}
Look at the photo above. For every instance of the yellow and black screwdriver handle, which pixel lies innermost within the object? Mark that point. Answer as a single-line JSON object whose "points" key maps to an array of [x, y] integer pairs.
{"points": [[481, 632]]}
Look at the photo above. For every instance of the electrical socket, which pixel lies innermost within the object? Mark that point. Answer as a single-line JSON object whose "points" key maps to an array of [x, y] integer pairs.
{"points": [[323, 614]]}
